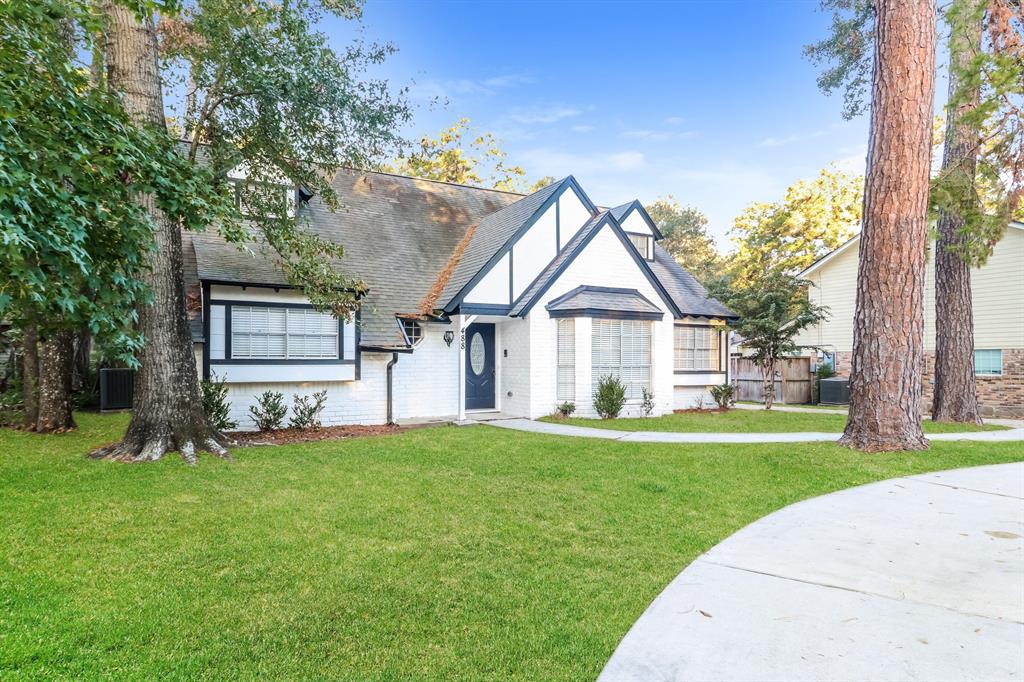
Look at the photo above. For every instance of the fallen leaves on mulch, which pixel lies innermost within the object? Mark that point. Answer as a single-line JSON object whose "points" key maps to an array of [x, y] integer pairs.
{"points": [[289, 436], [696, 410]]}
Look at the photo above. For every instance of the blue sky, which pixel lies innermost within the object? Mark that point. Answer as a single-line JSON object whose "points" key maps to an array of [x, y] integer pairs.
{"points": [[711, 102]]}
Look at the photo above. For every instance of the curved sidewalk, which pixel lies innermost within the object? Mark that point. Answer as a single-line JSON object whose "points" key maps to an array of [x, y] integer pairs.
{"points": [[694, 437], [914, 578]]}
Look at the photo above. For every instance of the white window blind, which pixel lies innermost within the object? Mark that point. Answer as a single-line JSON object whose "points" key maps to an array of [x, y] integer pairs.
{"points": [[282, 334], [642, 244], [566, 374], [622, 348], [696, 348]]}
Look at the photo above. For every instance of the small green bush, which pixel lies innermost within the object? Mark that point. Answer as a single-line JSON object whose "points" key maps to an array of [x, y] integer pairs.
{"points": [[216, 405], [565, 410], [647, 401], [269, 412], [610, 397], [724, 395], [306, 410]]}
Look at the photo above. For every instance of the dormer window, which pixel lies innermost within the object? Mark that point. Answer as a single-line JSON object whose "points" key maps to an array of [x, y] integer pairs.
{"points": [[413, 331], [272, 194], [644, 243]]}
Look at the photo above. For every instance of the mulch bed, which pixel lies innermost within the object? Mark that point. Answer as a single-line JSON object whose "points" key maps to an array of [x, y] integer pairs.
{"points": [[694, 410], [289, 436]]}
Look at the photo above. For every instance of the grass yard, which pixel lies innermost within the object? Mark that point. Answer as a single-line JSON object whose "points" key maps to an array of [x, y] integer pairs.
{"points": [[443, 553], [739, 420]]}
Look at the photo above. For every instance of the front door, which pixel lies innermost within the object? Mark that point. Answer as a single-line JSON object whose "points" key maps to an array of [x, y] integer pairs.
{"points": [[480, 378]]}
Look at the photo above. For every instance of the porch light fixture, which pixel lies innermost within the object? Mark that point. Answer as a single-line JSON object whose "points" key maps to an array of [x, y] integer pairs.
{"points": [[449, 336]]}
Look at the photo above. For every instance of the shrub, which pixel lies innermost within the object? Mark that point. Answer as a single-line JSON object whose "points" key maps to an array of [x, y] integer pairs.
{"points": [[565, 409], [269, 411], [216, 405], [647, 401], [306, 410], [724, 395], [609, 397]]}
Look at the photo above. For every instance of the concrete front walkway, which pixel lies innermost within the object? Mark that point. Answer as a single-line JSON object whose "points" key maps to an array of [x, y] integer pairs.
{"points": [[694, 437], [915, 578]]}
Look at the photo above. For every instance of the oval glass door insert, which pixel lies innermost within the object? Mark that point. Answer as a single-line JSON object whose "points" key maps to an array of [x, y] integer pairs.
{"points": [[476, 353]]}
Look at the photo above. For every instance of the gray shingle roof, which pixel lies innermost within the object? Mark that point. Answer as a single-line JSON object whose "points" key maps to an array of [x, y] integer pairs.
{"points": [[552, 269], [689, 296], [491, 234], [398, 234], [605, 299], [618, 212]]}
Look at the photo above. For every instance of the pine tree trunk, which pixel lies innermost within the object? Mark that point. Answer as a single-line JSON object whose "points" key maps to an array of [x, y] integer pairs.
{"points": [[956, 394], [888, 337], [167, 412], [56, 356], [30, 376]]}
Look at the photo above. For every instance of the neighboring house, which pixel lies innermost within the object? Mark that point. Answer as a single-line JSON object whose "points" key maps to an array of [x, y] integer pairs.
{"points": [[997, 291], [478, 300]]}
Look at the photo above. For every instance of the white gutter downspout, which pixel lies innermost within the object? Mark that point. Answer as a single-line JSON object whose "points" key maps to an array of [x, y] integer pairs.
{"points": [[464, 321]]}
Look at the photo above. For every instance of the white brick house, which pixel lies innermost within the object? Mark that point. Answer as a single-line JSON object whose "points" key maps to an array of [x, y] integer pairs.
{"points": [[479, 300]]}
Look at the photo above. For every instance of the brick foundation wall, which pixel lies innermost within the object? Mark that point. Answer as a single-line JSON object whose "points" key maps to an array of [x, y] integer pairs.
{"points": [[999, 396]]}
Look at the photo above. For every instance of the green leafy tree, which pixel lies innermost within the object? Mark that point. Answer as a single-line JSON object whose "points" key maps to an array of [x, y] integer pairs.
{"points": [[75, 242], [812, 219], [458, 155], [772, 311], [686, 237], [269, 98]]}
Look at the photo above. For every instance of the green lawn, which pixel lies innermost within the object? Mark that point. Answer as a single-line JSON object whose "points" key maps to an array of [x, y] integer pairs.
{"points": [[443, 553], [739, 420]]}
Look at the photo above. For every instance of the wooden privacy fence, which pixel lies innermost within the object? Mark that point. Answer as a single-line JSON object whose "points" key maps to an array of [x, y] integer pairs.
{"points": [[792, 380]]}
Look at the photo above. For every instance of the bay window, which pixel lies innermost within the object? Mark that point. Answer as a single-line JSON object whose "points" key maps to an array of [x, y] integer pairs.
{"points": [[622, 348]]}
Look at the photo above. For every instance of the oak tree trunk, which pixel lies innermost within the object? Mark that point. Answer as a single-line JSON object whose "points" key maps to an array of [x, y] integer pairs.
{"points": [[167, 412], [888, 353], [30, 376], [956, 394], [56, 356]]}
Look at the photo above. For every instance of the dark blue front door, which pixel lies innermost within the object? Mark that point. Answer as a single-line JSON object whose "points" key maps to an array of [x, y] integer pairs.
{"points": [[480, 366]]}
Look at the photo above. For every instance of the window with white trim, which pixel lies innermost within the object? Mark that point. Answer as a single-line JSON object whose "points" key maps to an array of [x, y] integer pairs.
{"points": [[643, 243], [279, 333], [413, 330], [263, 194], [697, 349], [622, 348], [988, 362], [566, 372]]}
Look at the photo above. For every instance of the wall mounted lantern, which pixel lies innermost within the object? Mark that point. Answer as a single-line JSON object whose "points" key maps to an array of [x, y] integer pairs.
{"points": [[449, 336]]}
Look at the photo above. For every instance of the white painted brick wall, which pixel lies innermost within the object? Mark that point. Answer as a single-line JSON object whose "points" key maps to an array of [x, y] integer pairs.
{"points": [[426, 383], [514, 337], [604, 262]]}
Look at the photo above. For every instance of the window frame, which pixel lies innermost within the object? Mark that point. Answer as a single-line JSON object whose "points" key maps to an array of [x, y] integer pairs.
{"points": [[560, 366], [987, 350], [291, 192], [228, 358], [415, 339], [633, 389], [716, 347], [648, 252]]}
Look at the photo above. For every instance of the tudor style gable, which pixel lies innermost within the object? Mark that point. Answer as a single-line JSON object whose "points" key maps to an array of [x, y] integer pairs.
{"points": [[511, 248]]}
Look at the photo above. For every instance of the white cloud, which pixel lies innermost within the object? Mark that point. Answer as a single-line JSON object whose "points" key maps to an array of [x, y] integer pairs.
{"points": [[657, 135], [789, 139], [541, 114], [627, 160], [443, 89], [582, 129], [545, 161]]}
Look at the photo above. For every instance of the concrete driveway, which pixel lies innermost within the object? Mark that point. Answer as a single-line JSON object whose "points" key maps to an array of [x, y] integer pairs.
{"points": [[915, 578]]}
